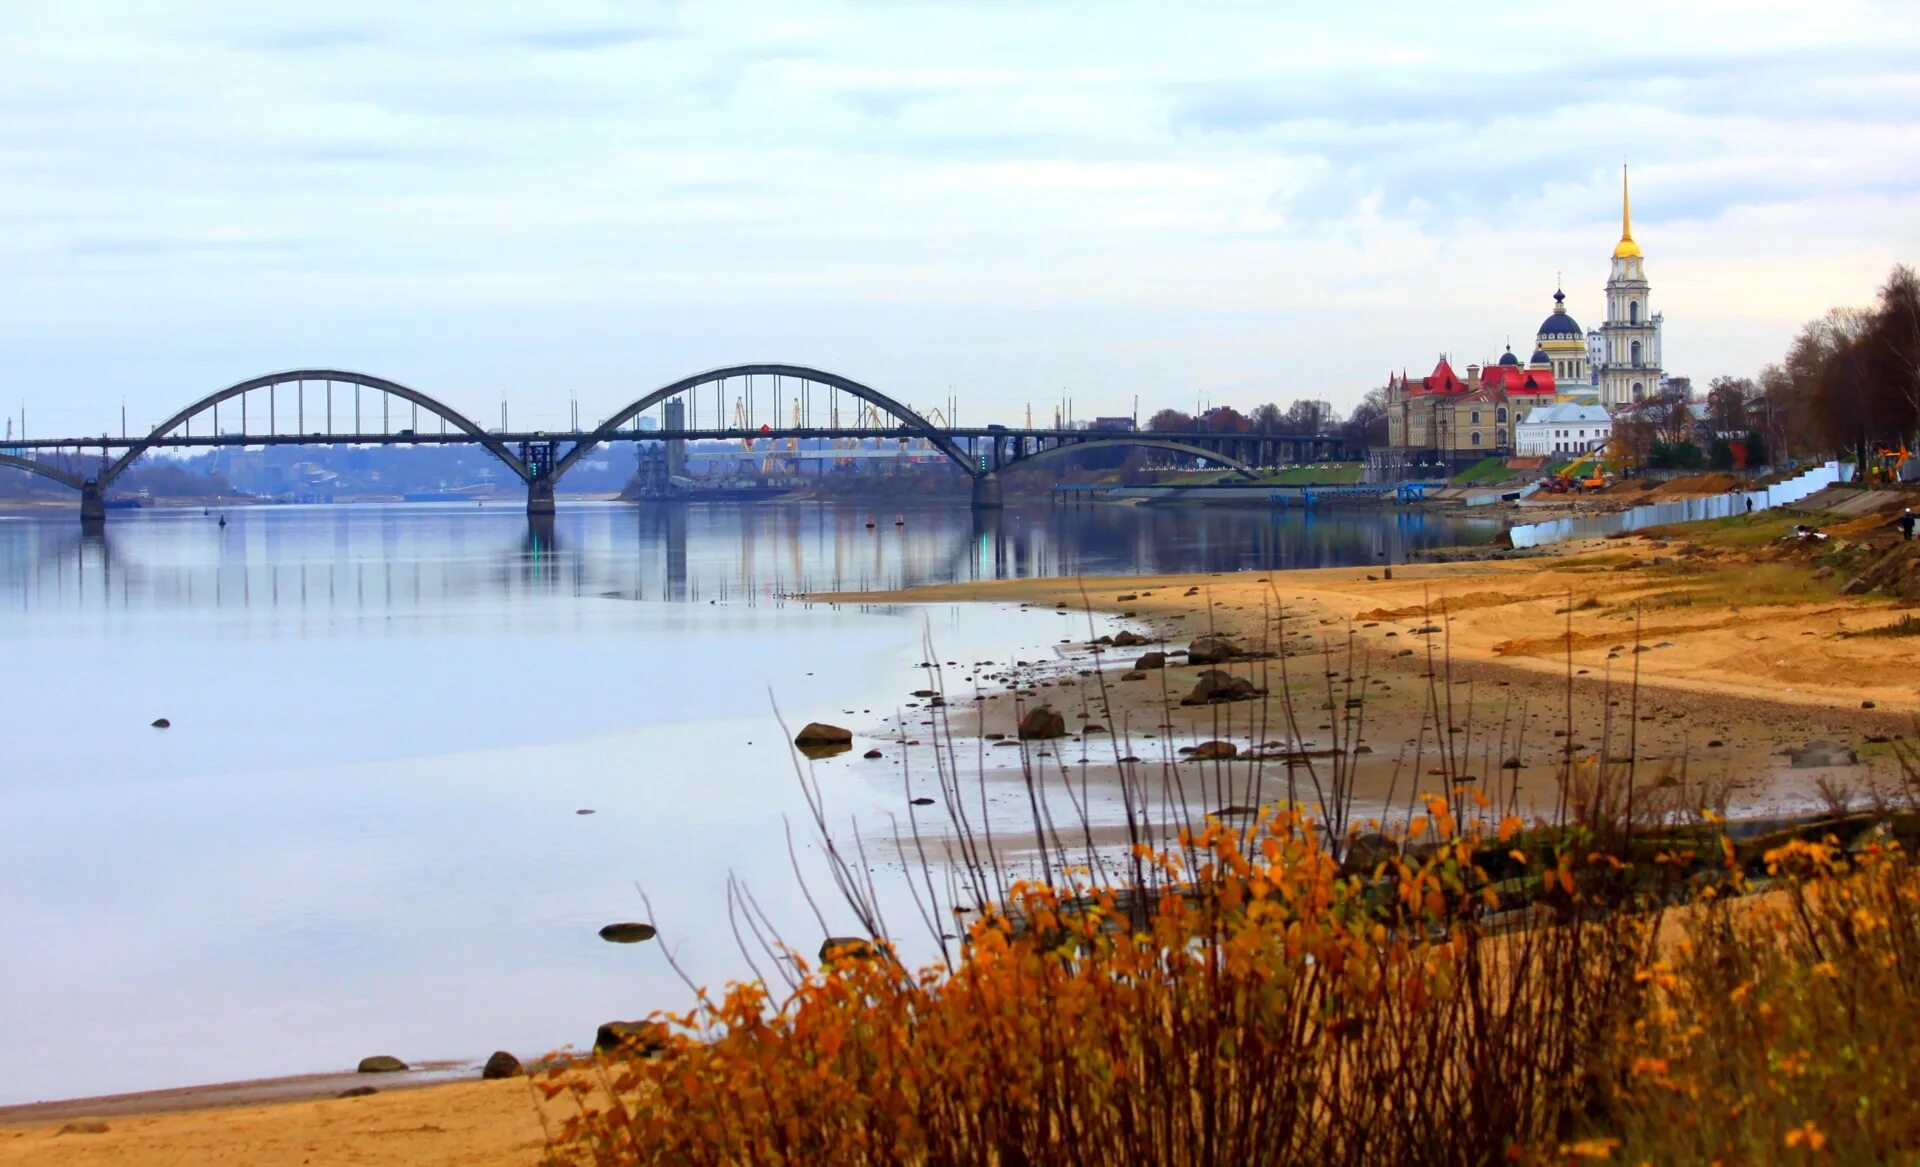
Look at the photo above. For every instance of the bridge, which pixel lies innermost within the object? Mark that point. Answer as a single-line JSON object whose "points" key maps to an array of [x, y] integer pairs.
{"points": [[349, 408]]}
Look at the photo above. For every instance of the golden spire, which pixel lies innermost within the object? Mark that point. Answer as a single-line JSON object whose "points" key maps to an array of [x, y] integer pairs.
{"points": [[1626, 248]]}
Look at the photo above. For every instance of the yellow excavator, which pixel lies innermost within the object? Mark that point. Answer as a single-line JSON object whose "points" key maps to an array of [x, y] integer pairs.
{"points": [[1569, 477]]}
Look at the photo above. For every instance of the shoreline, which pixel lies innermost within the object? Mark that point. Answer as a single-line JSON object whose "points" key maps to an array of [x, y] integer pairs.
{"points": [[1502, 623], [1732, 686]]}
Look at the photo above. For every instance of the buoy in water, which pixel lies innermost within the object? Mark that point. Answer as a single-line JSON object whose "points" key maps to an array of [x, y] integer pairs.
{"points": [[869, 522], [899, 520]]}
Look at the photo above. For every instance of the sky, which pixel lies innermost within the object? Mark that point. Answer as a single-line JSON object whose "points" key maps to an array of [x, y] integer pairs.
{"points": [[1000, 203]]}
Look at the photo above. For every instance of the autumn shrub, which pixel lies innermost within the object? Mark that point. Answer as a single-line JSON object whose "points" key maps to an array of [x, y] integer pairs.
{"points": [[1784, 1026], [1269, 1005]]}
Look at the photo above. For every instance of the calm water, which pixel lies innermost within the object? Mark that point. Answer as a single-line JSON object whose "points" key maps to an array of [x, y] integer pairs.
{"points": [[359, 836]]}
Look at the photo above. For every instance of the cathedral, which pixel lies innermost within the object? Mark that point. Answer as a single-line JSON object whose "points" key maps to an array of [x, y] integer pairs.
{"points": [[1444, 418]]}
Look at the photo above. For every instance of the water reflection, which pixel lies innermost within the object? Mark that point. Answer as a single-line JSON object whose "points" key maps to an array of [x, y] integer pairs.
{"points": [[358, 832], [383, 556]]}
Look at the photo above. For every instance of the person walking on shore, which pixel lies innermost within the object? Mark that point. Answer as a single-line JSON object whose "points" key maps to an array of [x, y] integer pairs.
{"points": [[1906, 522]]}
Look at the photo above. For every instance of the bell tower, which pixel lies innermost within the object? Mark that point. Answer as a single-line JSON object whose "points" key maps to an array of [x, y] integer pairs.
{"points": [[1630, 339]]}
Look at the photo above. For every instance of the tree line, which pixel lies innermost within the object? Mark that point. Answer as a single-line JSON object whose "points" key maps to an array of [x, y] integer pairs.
{"points": [[1849, 381], [1307, 416]]}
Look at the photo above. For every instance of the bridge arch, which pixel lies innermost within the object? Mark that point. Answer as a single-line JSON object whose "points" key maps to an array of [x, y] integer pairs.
{"points": [[1179, 447], [338, 376], [43, 470], [910, 420]]}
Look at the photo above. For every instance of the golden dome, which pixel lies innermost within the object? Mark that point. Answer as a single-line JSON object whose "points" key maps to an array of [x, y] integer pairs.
{"points": [[1626, 248]]}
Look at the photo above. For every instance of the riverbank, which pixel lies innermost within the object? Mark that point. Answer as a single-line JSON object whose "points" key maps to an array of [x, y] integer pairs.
{"points": [[1710, 662]]}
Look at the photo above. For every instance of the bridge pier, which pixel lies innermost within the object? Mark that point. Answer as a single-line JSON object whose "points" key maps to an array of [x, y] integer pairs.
{"points": [[93, 506], [540, 496], [986, 493]]}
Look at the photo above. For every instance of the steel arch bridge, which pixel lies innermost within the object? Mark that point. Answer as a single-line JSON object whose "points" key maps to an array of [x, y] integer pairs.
{"points": [[341, 402]]}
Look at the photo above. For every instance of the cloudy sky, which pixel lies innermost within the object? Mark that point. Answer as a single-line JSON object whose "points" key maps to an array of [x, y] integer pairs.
{"points": [[999, 201]]}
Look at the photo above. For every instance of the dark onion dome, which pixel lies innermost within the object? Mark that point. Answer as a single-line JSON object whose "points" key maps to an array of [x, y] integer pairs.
{"points": [[1540, 357], [1561, 324], [1509, 358]]}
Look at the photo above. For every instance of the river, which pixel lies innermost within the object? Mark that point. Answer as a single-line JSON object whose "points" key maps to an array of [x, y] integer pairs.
{"points": [[360, 833]]}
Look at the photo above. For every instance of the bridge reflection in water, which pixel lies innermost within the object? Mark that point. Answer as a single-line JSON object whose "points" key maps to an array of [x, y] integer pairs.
{"points": [[329, 560]]}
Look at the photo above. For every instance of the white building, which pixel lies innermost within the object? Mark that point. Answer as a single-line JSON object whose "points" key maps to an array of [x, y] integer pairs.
{"points": [[1566, 428]]}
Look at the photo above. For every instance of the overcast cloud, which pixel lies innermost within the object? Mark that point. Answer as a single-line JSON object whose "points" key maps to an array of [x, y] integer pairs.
{"points": [[1002, 201]]}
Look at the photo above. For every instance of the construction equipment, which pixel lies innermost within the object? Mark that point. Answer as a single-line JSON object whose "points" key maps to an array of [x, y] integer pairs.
{"points": [[1568, 477], [1886, 463]]}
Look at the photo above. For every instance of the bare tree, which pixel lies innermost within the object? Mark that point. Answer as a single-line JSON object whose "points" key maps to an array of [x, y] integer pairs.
{"points": [[1169, 421], [1368, 421], [1310, 417], [1727, 404]]}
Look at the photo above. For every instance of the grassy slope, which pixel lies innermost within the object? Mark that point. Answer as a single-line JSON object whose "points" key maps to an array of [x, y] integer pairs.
{"points": [[1485, 472]]}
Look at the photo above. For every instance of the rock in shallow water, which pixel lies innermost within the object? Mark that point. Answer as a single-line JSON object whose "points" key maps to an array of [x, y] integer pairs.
{"points": [[381, 1064], [627, 932], [819, 733], [501, 1065], [1042, 722]]}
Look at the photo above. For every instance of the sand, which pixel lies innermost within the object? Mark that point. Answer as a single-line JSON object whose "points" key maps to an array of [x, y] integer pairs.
{"points": [[1725, 687], [472, 1124]]}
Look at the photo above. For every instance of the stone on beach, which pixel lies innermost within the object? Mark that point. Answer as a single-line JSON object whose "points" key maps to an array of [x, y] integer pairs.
{"points": [[1042, 722], [1816, 754], [381, 1064], [631, 1037], [1368, 852], [1151, 660], [1208, 650], [1215, 685], [1213, 750], [501, 1065], [1129, 639]]}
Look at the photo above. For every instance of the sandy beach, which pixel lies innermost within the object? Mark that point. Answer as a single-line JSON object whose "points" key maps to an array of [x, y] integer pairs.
{"points": [[470, 1124], [1699, 662]]}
